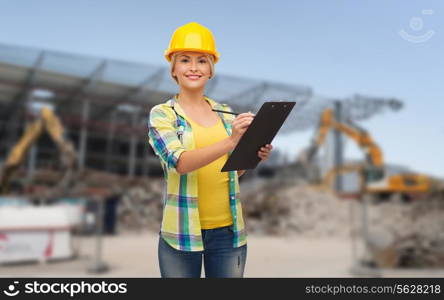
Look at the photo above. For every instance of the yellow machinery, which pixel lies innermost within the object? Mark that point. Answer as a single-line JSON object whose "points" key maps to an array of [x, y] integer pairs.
{"points": [[373, 179], [49, 122]]}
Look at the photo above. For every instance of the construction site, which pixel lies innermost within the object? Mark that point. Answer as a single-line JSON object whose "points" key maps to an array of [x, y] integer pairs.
{"points": [[81, 189]]}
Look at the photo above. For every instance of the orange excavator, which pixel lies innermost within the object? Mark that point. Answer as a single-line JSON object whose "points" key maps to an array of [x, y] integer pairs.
{"points": [[374, 181]]}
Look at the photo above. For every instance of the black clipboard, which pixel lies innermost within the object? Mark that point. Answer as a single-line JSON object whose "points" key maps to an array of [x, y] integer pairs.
{"points": [[266, 124]]}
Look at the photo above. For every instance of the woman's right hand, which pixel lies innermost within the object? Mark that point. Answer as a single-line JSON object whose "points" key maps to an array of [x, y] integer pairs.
{"points": [[240, 125]]}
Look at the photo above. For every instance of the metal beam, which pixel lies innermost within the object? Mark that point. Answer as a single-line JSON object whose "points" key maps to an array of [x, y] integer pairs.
{"points": [[146, 160], [21, 97], [253, 92], [110, 140], [83, 134], [151, 81], [86, 86], [361, 107], [133, 147], [338, 147]]}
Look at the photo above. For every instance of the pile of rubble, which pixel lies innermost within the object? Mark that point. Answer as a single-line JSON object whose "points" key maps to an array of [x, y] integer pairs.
{"points": [[398, 234], [141, 205], [269, 207], [295, 208], [407, 234], [139, 198]]}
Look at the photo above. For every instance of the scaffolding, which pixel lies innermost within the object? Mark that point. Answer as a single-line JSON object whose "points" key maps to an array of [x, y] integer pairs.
{"points": [[104, 103]]}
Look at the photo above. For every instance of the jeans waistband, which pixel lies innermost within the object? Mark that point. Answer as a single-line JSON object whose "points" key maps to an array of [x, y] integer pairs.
{"points": [[218, 228]]}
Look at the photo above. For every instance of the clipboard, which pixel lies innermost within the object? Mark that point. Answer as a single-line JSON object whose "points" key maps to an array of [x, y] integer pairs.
{"points": [[266, 124]]}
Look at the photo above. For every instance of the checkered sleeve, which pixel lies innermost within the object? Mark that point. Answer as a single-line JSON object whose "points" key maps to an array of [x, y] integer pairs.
{"points": [[163, 138]]}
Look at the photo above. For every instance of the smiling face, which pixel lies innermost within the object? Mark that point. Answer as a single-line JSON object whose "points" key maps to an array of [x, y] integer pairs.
{"points": [[191, 69]]}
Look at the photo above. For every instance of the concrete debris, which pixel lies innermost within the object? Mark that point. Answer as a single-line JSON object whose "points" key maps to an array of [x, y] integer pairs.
{"points": [[269, 207], [141, 205], [295, 208], [139, 198], [406, 234]]}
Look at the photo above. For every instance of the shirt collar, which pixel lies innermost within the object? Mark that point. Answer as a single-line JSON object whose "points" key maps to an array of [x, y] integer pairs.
{"points": [[174, 103]]}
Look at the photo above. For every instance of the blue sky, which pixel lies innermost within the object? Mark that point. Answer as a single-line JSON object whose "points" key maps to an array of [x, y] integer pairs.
{"points": [[337, 47]]}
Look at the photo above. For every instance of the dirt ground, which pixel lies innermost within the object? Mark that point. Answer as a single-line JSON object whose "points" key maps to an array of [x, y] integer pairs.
{"points": [[135, 255]]}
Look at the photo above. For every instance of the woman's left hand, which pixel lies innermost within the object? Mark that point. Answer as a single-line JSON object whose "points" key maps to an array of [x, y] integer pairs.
{"points": [[264, 152]]}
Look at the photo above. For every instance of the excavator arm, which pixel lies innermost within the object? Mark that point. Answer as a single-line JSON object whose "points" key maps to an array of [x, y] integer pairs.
{"points": [[364, 140], [55, 129], [53, 126], [17, 155], [374, 157]]}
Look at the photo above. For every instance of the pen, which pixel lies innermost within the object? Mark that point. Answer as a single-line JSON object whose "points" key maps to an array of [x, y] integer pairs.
{"points": [[227, 112]]}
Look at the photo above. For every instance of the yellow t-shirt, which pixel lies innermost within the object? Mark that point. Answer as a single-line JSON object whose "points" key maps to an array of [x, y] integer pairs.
{"points": [[213, 185]]}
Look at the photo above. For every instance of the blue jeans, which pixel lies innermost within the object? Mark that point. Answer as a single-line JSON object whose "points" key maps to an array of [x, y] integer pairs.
{"points": [[221, 260]]}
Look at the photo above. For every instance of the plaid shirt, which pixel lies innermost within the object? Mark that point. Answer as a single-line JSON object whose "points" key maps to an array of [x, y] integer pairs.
{"points": [[170, 134]]}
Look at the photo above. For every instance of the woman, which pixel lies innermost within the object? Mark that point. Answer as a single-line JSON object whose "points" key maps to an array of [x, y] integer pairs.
{"points": [[202, 214]]}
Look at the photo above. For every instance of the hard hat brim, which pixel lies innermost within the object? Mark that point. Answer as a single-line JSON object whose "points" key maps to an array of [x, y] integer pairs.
{"points": [[168, 53]]}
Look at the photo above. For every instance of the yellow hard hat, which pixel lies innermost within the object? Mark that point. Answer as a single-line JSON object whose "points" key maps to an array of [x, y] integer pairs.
{"points": [[192, 37]]}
